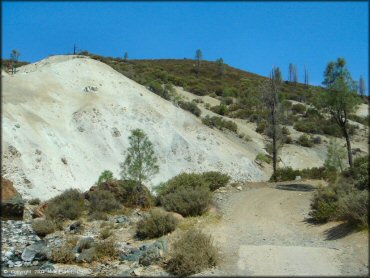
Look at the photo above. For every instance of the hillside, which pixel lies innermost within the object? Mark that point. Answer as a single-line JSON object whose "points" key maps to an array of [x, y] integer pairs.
{"points": [[67, 118]]}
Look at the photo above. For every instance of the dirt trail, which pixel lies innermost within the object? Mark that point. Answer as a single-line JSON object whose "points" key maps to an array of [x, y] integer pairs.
{"points": [[263, 232]]}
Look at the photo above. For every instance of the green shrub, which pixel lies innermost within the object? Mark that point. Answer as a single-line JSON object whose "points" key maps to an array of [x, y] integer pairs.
{"points": [[285, 174], [191, 107], [285, 130], [261, 126], [361, 172], [354, 208], [43, 227], [220, 123], [104, 177], [220, 109], [298, 108], [263, 158], [327, 174], [187, 200], [34, 201], [192, 253], [287, 139], [157, 224], [215, 179], [182, 180], [102, 201], [324, 204], [304, 141], [317, 140], [67, 205]]}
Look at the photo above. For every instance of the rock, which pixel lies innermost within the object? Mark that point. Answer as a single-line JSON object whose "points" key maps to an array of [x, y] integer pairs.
{"points": [[86, 256], [37, 251], [27, 263], [85, 243], [153, 253], [75, 227], [10, 264], [9, 254], [138, 271], [298, 178], [121, 219], [34, 263], [18, 263], [89, 89], [132, 254], [47, 266], [12, 204], [39, 211], [115, 132], [239, 188]]}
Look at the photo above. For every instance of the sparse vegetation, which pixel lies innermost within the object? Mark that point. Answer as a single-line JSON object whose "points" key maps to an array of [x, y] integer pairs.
{"points": [[215, 179], [34, 201], [188, 201], [64, 254], [156, 224], [105, 249], [43, 227], [220, 123], [67, 205], [190, 106], [102, 201], [104, 177], [305, 141], [284, 174], [263, 158], [192, 253]]}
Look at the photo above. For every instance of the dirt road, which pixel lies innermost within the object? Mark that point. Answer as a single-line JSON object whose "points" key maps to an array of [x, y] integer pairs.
{"points": [[263, 232]]}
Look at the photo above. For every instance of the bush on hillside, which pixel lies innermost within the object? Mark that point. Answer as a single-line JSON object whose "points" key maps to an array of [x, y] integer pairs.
{"points": [[284, 174], [298, 108], [67, 205], [220, 109], [220, 123], [34, 201], [261, 126], [156, 224], [192, 253], [324, 204], [263, 158], [102, 201], [215, 179], [43, 227], [361, 172], [354, 208], [191, 107], [305, 141], [187, 200]]}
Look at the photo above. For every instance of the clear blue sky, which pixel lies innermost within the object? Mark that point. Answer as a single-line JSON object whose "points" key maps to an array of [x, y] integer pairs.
{"points": [[253, 36]]}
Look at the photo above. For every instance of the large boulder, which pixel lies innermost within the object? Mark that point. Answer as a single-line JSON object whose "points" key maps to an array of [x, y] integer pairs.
{"points": [[12, 204], [36, 251]]}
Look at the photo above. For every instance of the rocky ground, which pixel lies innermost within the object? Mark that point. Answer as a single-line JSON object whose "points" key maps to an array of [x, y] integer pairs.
{"points": [[26, 254]]}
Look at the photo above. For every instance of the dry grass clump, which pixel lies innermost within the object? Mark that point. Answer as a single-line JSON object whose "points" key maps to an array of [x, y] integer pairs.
{"points": [[64, 254], [157, 224], [192, 253], [43, 227]]}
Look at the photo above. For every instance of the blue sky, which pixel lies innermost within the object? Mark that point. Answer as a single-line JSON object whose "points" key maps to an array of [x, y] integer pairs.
{"points": [[253, 36]]}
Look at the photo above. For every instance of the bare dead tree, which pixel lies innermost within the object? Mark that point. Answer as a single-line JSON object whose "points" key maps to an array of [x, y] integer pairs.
{"points": [[306, 76], [291, 70], [361, 86], [14, 57]]}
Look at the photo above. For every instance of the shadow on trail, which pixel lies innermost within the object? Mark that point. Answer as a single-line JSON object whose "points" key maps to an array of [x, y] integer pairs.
{"points": [[296, 187], [339, 231]]}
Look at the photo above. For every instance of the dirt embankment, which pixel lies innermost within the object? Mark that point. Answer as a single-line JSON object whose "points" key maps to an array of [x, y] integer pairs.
{"points": [[263, 231]]}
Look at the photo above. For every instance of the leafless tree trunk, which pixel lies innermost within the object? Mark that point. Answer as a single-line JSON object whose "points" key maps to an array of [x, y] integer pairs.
{"points": [[270, 95]]}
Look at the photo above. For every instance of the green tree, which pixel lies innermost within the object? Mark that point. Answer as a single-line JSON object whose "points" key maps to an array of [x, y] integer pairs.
{"points": [[336, 155], [141, 162], [105, 176], [14, 57], [361, 86], [220, 66], [199, 58], [341, 99]]}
